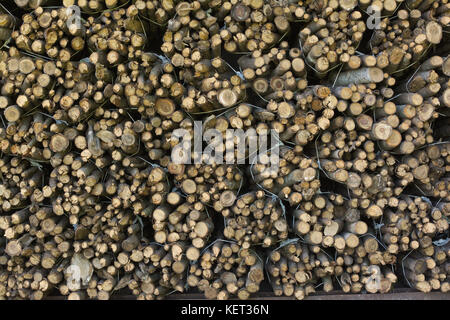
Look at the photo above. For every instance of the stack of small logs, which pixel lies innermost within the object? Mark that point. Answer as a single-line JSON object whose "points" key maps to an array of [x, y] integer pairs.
{"points": [[328, 221], [215, 185], [177, 221], [254, 25], [358, 274], [223, 147], [402, 42], [332, 37], [227, 270], [255, 218], [51, 33], [192, 39], [413, 224], [293, 177], [296, 269], [427, 273], [282, 65]]}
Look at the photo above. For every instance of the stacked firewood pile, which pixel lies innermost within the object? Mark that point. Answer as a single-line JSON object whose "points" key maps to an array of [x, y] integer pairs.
{"points": [[223, 147]]}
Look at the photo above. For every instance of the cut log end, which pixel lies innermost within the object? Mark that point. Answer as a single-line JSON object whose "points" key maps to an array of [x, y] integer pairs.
{"points": [[381, 131], [433, 32], [374, 211], [189, 186], [240, 12], [165, 107], [59, 143], [227, 198], [227, 98], [12, 113]]}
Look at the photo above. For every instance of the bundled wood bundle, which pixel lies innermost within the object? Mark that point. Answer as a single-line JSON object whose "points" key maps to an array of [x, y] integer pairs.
{"points": [[237, 134], [327, 221], [132, 188], [331, 38], [386, 7], [87, 261], [191, 40], [409, 125], [357, 274], [214, 93], [115, 37], [428, 272], [29, 83], [25, 284], [35, 241], [426, 170], [429, 81], [282, 64], [67, 93], [298, 123], [149, 270], [226, 270], [21, 182], [155, 133], [297, 269], [413, 224], [146, 85], [350, 138], [214, 184], [255, 218], [293, 178], [127, 182], [415, 169], [256, 25], [51, 33], [244, 116], [368, 180], [179, 221], [351, 101], [158, 13], [161, 272], [403, 42]]}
